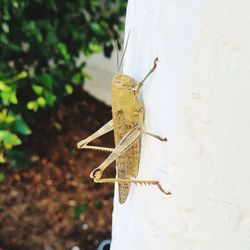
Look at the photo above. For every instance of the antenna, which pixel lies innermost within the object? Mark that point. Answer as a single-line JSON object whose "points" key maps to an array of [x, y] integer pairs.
{"points": [[117, 54], [115, 45], [123, 54]]}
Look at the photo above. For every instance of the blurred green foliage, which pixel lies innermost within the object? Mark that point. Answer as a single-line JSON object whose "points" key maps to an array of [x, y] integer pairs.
{"points": [[80, 210], [40, 45], [2, 176]]}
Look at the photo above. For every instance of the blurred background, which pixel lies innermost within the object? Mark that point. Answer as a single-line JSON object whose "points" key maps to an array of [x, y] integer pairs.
{"points": [[51, 52]]}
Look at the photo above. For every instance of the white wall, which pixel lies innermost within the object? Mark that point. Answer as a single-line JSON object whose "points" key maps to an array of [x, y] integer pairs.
{"points": [[199, 97]]}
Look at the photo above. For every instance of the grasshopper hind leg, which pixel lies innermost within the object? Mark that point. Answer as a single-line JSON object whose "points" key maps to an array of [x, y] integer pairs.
{"points": [[83, 144], [141, 182], [126, 142]]}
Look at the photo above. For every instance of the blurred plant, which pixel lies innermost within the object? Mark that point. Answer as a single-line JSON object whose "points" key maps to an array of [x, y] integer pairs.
{"points": [[80, 210], [2, 176], [98, 205], [44, 46]]}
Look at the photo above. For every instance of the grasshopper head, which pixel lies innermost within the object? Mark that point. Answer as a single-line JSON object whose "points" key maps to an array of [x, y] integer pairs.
{"points": [[123, 81]]}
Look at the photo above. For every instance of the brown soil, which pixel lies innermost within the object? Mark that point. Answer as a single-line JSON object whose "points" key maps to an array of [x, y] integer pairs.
{"points": [[53, 204]]}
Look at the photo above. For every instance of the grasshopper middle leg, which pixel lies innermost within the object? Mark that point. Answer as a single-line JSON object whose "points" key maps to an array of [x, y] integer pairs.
{"points": [[155, 136]]}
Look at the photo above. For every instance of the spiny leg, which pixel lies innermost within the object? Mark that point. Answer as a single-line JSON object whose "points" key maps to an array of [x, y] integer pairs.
{"points": [[142, 182], [125, 143], [103, 130], [99, 148], [155, 136], [149, 73]]}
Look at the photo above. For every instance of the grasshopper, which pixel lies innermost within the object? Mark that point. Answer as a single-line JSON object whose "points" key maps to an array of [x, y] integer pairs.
{"points": [[127, 123]]}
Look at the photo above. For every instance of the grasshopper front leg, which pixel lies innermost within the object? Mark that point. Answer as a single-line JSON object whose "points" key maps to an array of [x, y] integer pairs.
{"points": [[83, 144], [149, 73]]}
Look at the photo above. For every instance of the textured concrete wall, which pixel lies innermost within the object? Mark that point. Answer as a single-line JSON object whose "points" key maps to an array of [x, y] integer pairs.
{"points": [[199, 97]]}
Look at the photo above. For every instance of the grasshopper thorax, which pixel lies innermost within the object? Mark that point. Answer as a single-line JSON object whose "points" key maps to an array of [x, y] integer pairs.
{"points": [[123, 81]]}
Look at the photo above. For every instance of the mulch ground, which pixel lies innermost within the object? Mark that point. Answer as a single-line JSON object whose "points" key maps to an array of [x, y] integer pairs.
{"points": [[52, 204]]}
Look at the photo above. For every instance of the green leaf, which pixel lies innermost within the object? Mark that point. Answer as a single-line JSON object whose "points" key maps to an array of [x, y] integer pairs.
{"points": [[9, 139], [77, 78], [21, 127], [69, 89], [3, 134], [4, 87], [37, 89], [98, 205], [14, 47], [62, 48], [94, 5], [10, 119], [80, 210], [3, 39], [13, 140], [15, 3], [2, 175], [57, 125], [51, 38], [5, 27], [97, 29], [21, 75], [32, 105], [50, 98], [53, 5], [95, 48], [9, 96], [6, 15], [41, 102], [30, 27], [3, 115], [2, 158], [13, 98], [45, 80]]}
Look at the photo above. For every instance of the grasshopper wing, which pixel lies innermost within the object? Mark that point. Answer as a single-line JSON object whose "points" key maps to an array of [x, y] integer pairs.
{"points": [[128, 163]]}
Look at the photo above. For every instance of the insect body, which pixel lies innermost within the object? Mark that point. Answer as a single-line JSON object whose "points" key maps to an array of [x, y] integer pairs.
{"points": [[127, 123]]}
